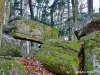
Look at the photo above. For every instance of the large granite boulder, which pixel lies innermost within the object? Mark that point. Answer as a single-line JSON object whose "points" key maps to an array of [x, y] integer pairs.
{"points": [[60, 57], [11, 67], [92, 53], [32, 30]]}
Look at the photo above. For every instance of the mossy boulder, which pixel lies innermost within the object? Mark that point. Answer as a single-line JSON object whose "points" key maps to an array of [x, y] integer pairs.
{"points": [[92, 51], [33, 30], [11, 67], [60, 57], [10, 47]]}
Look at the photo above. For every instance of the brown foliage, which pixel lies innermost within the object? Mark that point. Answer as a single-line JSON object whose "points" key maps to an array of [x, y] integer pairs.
{"points": [[34, 67]]}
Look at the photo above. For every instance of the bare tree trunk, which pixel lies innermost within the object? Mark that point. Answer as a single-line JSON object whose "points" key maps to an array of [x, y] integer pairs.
{"points": [[31, 9], [90, 6], [68, 8], [99, 6], [51, 12], [1, 18], [75, 11], [21, 7], [6, 11]]}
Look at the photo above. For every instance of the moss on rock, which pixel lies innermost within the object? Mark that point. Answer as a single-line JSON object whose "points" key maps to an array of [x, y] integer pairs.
{"points": [[33, 30], [92, 40], [11, 67], [10, 49], [59, 56], [91, 47]]}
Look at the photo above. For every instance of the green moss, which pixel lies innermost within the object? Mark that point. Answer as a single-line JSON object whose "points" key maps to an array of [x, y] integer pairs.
{"points": [[47, 31], [59, 56], [33, 24], [21, 18], [64, 44], [92, 47], [6, 66], [92, 40], [50, 32], [36, 30], [10, 49]]}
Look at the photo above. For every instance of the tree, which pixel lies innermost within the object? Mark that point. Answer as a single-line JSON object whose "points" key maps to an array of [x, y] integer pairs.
{"points": [[68, 3], [99, 6], [45, 11], [90, 6], [31, 9], [21, 7], [1, 18], [7, 11], [16, 8], [75, 11], [52, 10]]}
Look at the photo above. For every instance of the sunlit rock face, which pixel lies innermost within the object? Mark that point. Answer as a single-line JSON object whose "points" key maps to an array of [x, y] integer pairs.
{"points": [[92, 53], [32, 30], [60, 57]]}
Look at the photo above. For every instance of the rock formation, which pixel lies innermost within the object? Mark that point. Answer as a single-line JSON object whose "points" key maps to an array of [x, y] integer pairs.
{"points": [[60, 57]]}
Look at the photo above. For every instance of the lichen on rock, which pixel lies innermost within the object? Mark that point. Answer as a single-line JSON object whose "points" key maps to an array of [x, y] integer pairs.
{"points": [[59, 56]]}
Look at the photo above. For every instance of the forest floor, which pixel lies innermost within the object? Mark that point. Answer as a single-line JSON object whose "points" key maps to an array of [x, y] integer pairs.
{"points": [[33, 66]]}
